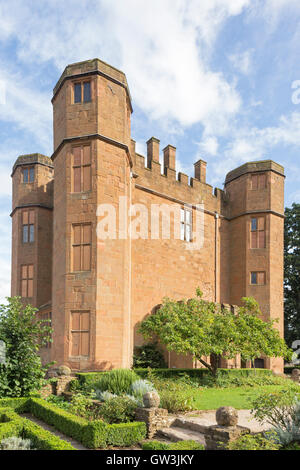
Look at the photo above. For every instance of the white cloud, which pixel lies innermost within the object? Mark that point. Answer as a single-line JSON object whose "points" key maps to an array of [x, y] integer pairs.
{"points": [[163, 47], [252, 143], [209, 145], [242, 61]]}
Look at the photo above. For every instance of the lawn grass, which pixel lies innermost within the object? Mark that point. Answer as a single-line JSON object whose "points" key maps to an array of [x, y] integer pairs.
{"points": [[238, 397]]}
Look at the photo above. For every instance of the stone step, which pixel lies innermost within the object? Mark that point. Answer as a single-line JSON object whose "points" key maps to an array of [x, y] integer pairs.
{"points": [[176, 434], [192, 425]]}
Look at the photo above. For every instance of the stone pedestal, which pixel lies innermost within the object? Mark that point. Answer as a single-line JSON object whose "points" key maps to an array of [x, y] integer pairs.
{"points": [[155, 419], [217, 437]]}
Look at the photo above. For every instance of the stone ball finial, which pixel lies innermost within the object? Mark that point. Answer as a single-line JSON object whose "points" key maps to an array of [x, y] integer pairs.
{"points": [[296, 374], [227, 416], [64, 370], [151, 400]]}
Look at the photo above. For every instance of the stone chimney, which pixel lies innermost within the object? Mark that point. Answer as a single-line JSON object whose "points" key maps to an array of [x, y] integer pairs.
{"points": [[200, 171]]}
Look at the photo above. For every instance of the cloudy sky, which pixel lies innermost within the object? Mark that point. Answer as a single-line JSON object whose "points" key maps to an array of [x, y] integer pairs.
{"points": [[219, 79]]}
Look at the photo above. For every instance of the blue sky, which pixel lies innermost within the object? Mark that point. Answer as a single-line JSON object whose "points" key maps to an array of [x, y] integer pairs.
{"points": [[214, 78]]}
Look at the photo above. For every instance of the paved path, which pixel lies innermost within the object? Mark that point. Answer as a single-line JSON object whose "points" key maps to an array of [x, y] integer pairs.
{"points": [[208, 418], [54, 431]]}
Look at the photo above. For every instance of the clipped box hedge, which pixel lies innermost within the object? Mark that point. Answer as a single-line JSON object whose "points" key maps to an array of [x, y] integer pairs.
{"points": [[180, 445], [92, 434], [11, 424]]}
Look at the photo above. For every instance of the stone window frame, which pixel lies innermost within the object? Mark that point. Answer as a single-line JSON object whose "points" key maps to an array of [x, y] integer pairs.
{"points": [[29, 171], [259, 229], [261, 278], [27, 279], [186, 224], [82, 84], [85, 163], [81, 247], [82, 331], [28, 221]]}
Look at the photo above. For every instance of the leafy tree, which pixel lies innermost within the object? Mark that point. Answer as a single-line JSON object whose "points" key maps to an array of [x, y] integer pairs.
{"points": [[200, 328], [23, 335], [292, 273]]}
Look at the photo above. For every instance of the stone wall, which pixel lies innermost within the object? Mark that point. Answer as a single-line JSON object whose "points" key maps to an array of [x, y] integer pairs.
{"points": [[155, 419]]}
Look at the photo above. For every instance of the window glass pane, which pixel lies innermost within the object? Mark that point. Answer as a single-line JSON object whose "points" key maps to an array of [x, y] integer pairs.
{"points": [[77, 93], [188, 217], [75, 322], [188, 233], [25, 233], [253, 224], [31, 239], [24, 272], [87, 92], [31, 175], [25, 175], [182, 215], [182, 232], [77, 234], [253, 278], [262, 181]]}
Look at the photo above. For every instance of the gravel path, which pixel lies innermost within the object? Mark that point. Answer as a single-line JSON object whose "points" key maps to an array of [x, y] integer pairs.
{"points": [[54, 431]]}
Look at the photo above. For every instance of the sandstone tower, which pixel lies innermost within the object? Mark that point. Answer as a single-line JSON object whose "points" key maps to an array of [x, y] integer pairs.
{"points": [[97, 290]]}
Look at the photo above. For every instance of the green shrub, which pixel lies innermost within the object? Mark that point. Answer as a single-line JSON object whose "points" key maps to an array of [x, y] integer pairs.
{"points": [[59, 401], [253, 442], [117, 381], [118, 410], [24, 334], [148, 355], [126, 435], [186, 445], [155, 445], [180, 445], [175, 402]]}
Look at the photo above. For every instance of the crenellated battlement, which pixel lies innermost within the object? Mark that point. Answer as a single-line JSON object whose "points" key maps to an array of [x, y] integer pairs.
{"points": [[162, 178]]}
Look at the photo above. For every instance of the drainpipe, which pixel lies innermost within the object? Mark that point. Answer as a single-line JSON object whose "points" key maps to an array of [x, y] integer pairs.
{"points": [[216, 257]]}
